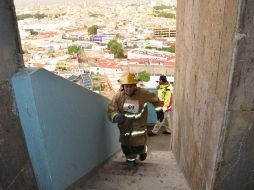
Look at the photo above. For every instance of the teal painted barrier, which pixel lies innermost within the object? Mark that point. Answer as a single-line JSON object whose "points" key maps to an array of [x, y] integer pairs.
{"points": [[65, 126], [152, 118]]}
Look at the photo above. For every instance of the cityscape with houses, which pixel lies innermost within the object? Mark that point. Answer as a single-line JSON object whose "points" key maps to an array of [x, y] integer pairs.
{"points": [[93, 43], [126, 94]]}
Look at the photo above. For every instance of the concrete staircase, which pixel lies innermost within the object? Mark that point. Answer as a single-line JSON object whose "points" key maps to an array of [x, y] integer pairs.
{"points": [[158, 172]]}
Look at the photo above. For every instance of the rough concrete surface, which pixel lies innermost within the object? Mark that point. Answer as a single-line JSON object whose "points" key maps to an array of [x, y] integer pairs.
{"points": [[15, 168], [236, 169], [236, 164], [205, 57], [158, 171]]}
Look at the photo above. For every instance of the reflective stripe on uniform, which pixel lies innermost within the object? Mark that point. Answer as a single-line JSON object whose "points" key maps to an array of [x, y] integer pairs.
{"points": [[158, 108], [135, 116], [135, 133], [131, 159], [138, 115], [113, 116], [126, 134]]}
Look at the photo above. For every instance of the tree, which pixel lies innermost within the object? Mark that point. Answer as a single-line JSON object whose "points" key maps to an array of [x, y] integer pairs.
{"points": [[39, 15], [167, 15], [144, 76], [92, 30], [110, 43], [172, 49], [33, 32], [149, 47], [24, 16], [36, 15], [73, 49], [161, 7], [116, 48], [62, 66]]}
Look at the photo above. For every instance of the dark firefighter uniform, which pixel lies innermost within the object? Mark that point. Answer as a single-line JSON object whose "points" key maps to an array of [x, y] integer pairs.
{"points": [[133, 109]]}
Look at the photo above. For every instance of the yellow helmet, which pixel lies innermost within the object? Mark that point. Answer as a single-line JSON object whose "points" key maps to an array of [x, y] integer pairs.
{"points": [[128, 78]]}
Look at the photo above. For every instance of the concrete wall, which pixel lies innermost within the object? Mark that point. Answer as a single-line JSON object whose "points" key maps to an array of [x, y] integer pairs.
{"points": [[15, 167], [65, 125], [236, 162], [213, 116]]}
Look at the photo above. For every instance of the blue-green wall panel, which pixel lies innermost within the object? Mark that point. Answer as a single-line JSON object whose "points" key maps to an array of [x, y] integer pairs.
{"points": [[66, 127], [152, 118]]}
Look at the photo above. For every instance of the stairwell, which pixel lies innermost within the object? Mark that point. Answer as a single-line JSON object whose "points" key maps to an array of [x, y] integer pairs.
{"points": [[158, 171]]}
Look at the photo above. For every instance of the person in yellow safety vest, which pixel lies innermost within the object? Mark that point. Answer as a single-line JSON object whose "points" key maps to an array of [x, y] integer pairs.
{"points": [[128, 108], [165, 93]]}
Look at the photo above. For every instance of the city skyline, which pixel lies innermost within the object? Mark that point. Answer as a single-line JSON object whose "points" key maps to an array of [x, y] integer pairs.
{"points": [[24, 3]]}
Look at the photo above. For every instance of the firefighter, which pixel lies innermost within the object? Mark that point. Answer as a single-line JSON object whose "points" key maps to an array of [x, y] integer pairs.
{"points": [[128, 108], [165, 92]]}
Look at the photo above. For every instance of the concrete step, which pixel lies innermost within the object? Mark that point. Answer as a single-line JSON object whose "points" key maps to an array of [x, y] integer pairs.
{"points": [[158, 171]]}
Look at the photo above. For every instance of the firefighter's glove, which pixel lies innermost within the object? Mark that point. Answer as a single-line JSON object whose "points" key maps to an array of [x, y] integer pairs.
{"points": [[160, 115], [119, 118]]}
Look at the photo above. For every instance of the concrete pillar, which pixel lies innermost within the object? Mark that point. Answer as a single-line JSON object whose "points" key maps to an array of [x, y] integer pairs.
{"points": [[214, 93], [15, 168]]}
